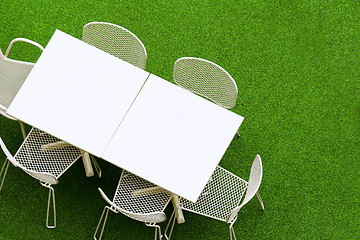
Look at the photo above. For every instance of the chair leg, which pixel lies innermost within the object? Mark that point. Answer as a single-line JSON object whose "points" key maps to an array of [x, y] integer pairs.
{"points": [[172, 223], [51, 195], [22, 129], [104, 213], [232, 232], [157, 230], [260, 200], [238, 134], [3, 172], [96, 165]]}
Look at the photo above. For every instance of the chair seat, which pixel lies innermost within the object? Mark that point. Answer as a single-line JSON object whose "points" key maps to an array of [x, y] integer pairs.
{"points": [[36, 156], [221, 195]]}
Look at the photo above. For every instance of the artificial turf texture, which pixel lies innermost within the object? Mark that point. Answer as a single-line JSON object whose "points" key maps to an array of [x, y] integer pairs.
{"points": [[296, 64]]}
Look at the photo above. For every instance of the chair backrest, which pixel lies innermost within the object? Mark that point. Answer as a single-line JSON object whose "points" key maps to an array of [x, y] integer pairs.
{"points": [[41, 176], [253, 185], [117, 41], [12, 75], [207, 79]]}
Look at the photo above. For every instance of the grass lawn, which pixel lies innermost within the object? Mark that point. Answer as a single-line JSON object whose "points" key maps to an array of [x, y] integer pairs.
{"points": [[296, 64]]}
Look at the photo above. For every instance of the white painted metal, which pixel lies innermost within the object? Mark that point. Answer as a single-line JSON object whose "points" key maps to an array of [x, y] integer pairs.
{"points": [[12, 75], [117, 41], [89, 171], [120, 43], [172, 138], [222, 195], [157, 131], [138, 199], [207, 79], [45, 165], [70, 82]]}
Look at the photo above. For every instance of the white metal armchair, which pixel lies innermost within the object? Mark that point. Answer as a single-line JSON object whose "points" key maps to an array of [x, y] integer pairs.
{"points": [[207, 79], [138, 199], [12, 75], [41, 161], [222, 196], [117, 41]]}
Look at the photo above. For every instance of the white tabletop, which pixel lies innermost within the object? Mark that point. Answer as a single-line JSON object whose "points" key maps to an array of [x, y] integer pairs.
{"points": [[77, 93], [172, 138], [119, 112]]}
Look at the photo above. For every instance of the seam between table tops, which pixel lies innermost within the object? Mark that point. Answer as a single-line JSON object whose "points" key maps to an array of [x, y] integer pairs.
{"points": [[102, 153]]}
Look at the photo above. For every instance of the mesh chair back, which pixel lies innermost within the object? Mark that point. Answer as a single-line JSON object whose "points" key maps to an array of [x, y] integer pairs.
{"points": [[253, 185], [12, 75], [134, 199], [206, 79], [117, 41]]}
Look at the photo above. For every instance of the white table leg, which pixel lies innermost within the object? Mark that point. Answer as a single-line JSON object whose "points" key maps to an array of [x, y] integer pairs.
{"points": [[178, 212], [87, 164], [145, 191], [54, 146]]}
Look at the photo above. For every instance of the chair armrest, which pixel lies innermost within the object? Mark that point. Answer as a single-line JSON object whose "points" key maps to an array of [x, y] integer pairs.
{"points": [[3, 112], [107, 199], [8, 154], [22, 40]]}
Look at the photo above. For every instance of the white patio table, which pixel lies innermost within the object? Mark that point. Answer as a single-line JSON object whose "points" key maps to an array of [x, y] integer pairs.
{"points": [[126, 116]]}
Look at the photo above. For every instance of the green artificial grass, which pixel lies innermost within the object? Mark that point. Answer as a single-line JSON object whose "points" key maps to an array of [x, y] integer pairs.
{"points": [[296, 64]]}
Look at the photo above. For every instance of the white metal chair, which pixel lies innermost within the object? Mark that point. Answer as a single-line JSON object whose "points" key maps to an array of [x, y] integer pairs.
{"points": [[12, 75], [43, 161], [117, 41], [221, 197], [207, 79], [138, 199]]}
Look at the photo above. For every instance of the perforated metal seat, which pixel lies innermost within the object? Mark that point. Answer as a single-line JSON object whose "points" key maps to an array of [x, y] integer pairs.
{"points": [[12, 75], [41, 158], [138, 199], [221, 197], [207, 79], [117, 41]]}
